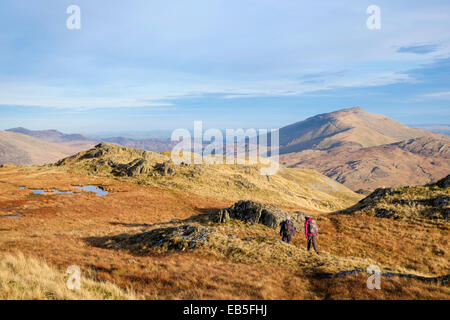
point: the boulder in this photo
(384, 213)
(444, 183)
(220, 216)
(251, 212)
(164, 168)
(137, 167)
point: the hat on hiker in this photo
(288, 217)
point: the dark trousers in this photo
(312, 239)
(287, 238)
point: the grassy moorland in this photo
(239, 260)
(24, 278)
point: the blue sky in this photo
(151, 65)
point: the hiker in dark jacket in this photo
(311, 232)
(287, 230)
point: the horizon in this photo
(149, 66)
(166, 133)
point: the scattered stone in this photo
(443, 279)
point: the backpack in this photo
(288, 227)
(312, 227)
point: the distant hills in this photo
(365, 151)
(441, 128)
(22, 149)
(359, 149)
(54, 136)
(50, 135)
(290, 186)
(151, 144)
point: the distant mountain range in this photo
(50, 135)
(23, 146)
(441, 128)
(362, 150)
(152, 144)
(22, 149)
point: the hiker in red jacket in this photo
(311, 231)
(287, 230)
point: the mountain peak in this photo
(350, 127)
(352, 109)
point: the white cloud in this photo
(442, 94)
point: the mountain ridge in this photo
(365, 151)
(346, 127)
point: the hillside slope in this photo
(161, 244)
(289, 187)
(410, 162)
(348, 127)
(365, 151)
(17, 148)
(50, 135)
(84, 143)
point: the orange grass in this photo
(56, 228)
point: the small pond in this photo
(98, 190)
(13, 216)
(38, 191)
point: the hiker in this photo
(311, 231)
(287, 230)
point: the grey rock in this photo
(384, 213)
(174, 238)
(441, 201)
(251, 212)
(444, 183)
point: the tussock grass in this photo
(23, 278)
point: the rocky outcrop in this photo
(165, 168)
(165, 239)
(251, 212)
(444, 183)
(443, 279)
(429, 201)
(384, 213)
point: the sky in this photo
(159, 65)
